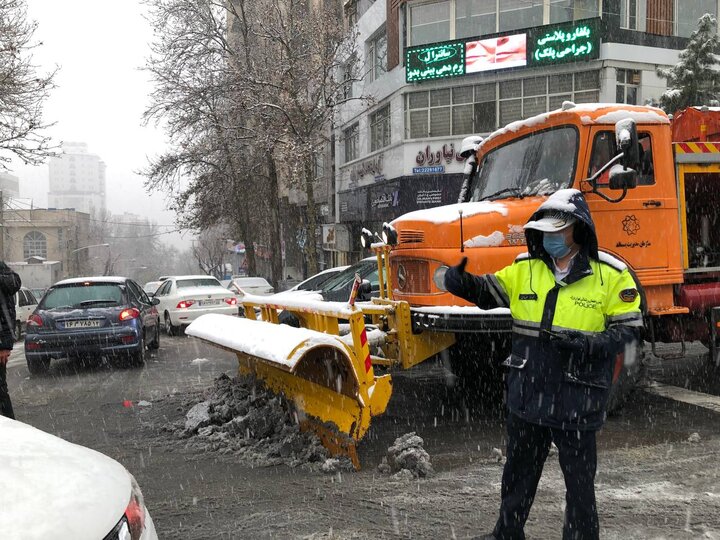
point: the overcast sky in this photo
(99, 46)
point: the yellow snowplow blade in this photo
(330, 380)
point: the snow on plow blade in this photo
(330, 381)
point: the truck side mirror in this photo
(622, 178)
(626, 138)
(365, 290)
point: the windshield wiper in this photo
(99, 301)
(514, 190)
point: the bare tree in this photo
(247, 91)
(210, 251)
(23, 90)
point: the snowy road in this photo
(652, 482)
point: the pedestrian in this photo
(574, 311)
(9, 285)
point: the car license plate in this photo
(209, 302)
(82, 324)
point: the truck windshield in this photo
(538, 164)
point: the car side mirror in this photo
(365, 290)
(622, 178)
(154, 301)
(626, 138)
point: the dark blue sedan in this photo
(94, 316)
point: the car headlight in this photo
(131, 525)
(439, 277)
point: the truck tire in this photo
(475, 362)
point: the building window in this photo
(352, 142)
(520, 14)
(484, 107)
(380, 128)
(430, 22)
(688, 13)
(377, 55)
(347, 70)
(627, 87)
(34, 245)
(351, 14)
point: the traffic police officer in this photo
(574, 310)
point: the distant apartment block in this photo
(9, 185)
(77, 180)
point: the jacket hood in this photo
(573, 202)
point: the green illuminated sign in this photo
(570, 42)
(435, 62)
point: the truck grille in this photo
(410, 276)
(411, 237)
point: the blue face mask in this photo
(554, 244)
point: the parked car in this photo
(250, 285)
(39, 292)
(92, 316)
(25, 304)
(182, 299)
(314, 283)
(338, 287)
(151, 287)
(55, 489)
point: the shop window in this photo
(352, 142)
(628, 86)
(380, 128)
(687, 14)
(482, 108)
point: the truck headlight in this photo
(439, 277)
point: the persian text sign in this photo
(569, 42)
(435, 62)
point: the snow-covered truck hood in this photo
(55, 489)
(484, 224)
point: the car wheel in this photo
(137, 359)
(38, 366)
(170, 328)
(155, 343)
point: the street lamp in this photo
(88, 247)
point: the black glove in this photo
(572, 341)
(456, 279)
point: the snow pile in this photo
(240, 417)
(407, 459)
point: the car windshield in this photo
(251, 282)
(83, 295)
(366, 269)
(314, 283)
(539, 164)
(198, 282)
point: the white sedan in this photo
(55, 489)
(184, 298)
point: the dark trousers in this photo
(527, 448)
(6, 408)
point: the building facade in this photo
(50, 235)
(440, 70)
(77, 180)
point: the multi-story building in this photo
(77, 180)
(440, 70)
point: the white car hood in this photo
(55, 489)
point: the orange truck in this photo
(662, 218)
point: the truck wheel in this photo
(475, 362)
(38, 366)
(627, 373)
